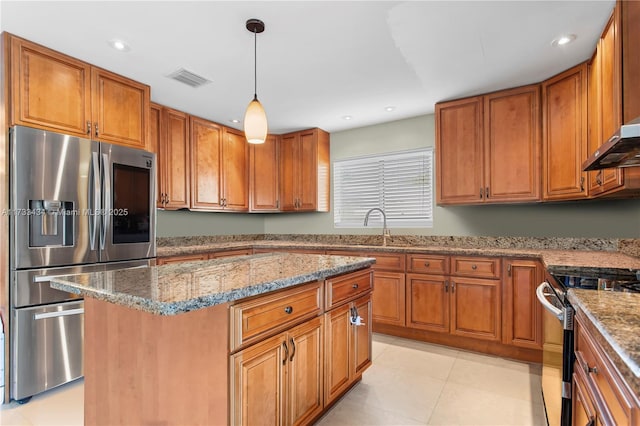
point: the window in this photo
(399, 183)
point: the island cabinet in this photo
(522, 322)
(564, 135)
(264, 176)
(601, 394)
(488, 148)
(388, 297)
(304, 171)
(53, 91)
(348, 331)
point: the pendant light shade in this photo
(255, 122)
(255, 119)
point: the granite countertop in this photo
(615, 321)
(177, 288)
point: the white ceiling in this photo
(318, 61)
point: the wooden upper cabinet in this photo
(155, 130)
(120, 109)
(488, 148)
(56, 92)
(264, 186)
(512, 145)
(235, 170)
(459, 153)
(304, 171)
(49, 90)
(564, 135)
(175, 166)
(206, 165)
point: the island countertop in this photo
(177, 288)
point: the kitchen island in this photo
(180, 344)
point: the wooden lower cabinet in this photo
(181, 258)
(388, 298)
(522, 322)
(583, 411)
(348, 346)
(428, 302)
(279, 381)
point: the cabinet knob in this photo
(355, 285)
(474, 267)
(593, 370)
(426, 264)
(288, 309)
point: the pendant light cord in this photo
(255, 65)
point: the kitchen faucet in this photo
(385, 232)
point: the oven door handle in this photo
(542, 297)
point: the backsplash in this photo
(627, 246)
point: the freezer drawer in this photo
(47, 347)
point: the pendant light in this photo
(255, 119)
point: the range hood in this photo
(621, 150)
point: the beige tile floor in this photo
(409, 383)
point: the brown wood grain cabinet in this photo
(181, 258)
(235, 170)
(603, 388)
(279, 381)
(56, 92)
(428, 302)
(174, 165)
(522, 325)
(564, 135)
(488, 148)
(304, 171)
(264, 180)
(155, 123)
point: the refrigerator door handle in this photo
(95, 206)
(106, 186)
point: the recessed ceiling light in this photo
(234, 120)
(389, 108)
(563, 39)
(347, 117)
(120, 45)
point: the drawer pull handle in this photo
(474, 267)
(288, 309)
(355, 285)
(426, 264)
(593, 370)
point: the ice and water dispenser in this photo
(50, 223)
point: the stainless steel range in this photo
(76, 206)
(557, 355)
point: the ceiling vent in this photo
(189, 78)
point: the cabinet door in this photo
(337, 352)
(264, 192)
(475, 308)
(175, 159)
(206, 189)
(235, 170)
(512, 145)
(459, 152)
(49, 90)
(155, 126)
(583, 410)
(565, 135)
(305, 369)
(428, 302)
(388, 298)
(289, 154)
(594, 111)
(308, 166)
(257, 383)
(120, 109)
(523, 312)
(361, 343)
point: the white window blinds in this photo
(399, 183)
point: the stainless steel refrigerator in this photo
(76, 205)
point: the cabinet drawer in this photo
(480, 267)
(428, 264)
(388, 262)
(600, 371)
(264, 316)
(346, 287)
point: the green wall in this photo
(604, 219)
